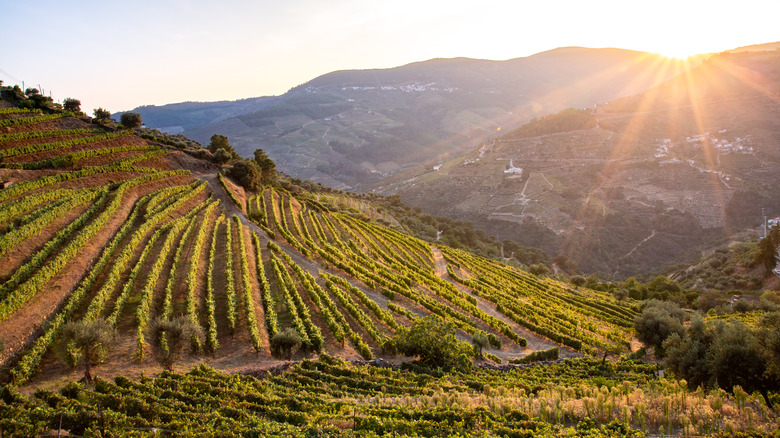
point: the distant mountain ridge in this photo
(175, 118)
(658, 179)
(351, 129)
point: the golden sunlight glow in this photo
(679, 50)
(687, 101)
(677, 55)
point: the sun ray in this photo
(660, 69)
(609, 175)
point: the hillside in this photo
(350, 129)
(101, 225)
(634, 185)
(107, 225)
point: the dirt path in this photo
(640, 244)
(440, 265)
(508, 349)
(251, 258)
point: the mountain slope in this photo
(102, 224)
(349, 129)
(650, 181)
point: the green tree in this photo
(285, 343)
(86, 342)
(101, 113)
(658, 321)
(247, 174)
(172, 337)
(266, 165)
(727, 355)
(219, 142)
(662, 288)
(432, 339)
(769, 338)
(577, 280)
(686, 353)
(635, 289)
(480, 341)
(735, 358)
(767, 250)
(71, 104)
(131, 120)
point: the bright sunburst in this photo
(680, 51)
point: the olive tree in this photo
(172, 337)
(101, 113)
(86, 342)
(480, 341)
(71, 104)
(658, 321)
(727, 354)
(285, 343)
(130, 120)
(433, 340)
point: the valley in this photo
(150, 286)
(692, 175)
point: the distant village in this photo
(415, 87)
(736, 146)
(663, 151)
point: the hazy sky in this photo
(122, 55)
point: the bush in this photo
(493, 358)
(222, 156)
(577, 280)
(538, 356)
(538, 270)
(494, 340)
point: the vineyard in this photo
(162, 241)
(330, 397)
(100, 224)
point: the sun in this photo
(679, 51)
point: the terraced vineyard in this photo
(104, 224)
(100, 224)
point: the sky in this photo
(123, 55)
